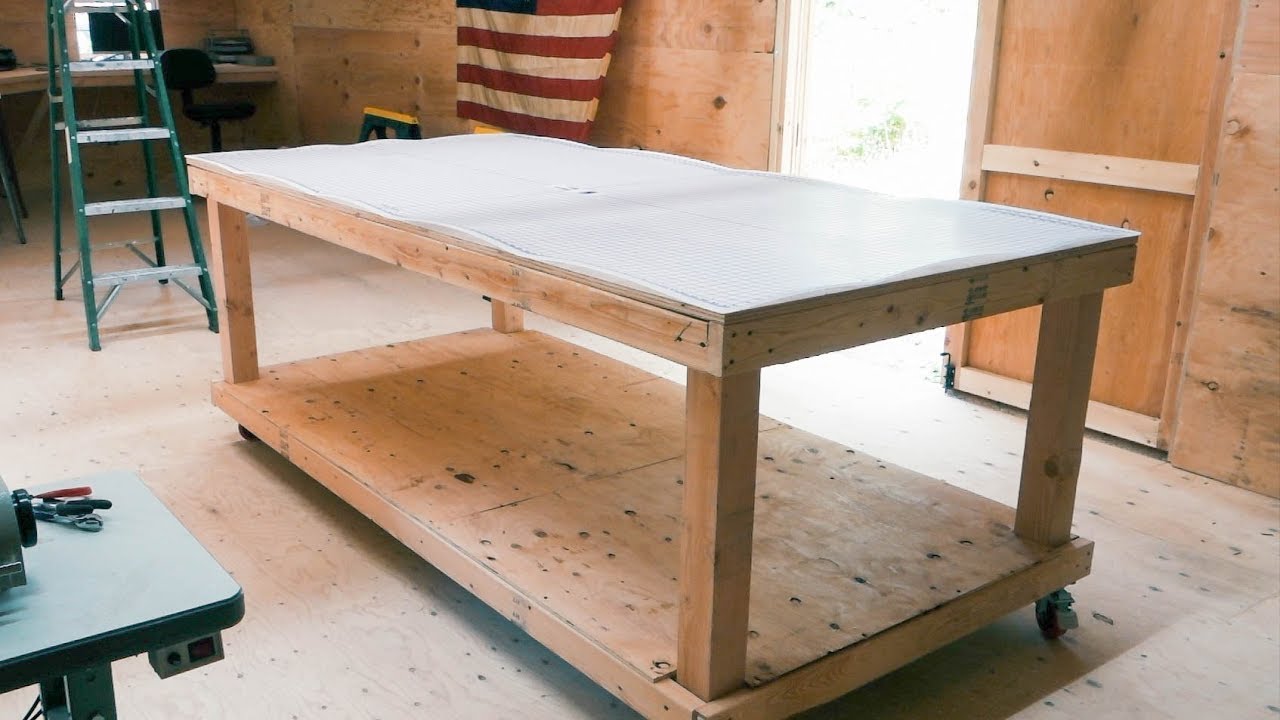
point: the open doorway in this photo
(878, 95)
(887, 94)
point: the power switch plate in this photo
(188, 655)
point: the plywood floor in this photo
(1178, 616)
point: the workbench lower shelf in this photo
(546, 479)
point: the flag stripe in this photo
(547, 108)
(527, 7)
(544, 7)
(535, 66)
(535, 45)
(557, 88)
(565, 68)
(573, 26)
(577, 7)
(579, 131)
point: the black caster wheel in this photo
(1054, 614)
(244, 433)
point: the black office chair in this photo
(188, 69)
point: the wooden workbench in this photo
(29, 79)
(694, 558)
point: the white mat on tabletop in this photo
(716, 238)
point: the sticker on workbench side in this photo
(976, 299)
(520, 611)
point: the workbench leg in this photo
(1055, 419)
(82, 695)
(507, 318)
(721, 425)
(229, 236)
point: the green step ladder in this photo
(144, 63)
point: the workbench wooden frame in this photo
(724, 355)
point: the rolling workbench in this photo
(694, 558)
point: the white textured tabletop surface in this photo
(712, 237)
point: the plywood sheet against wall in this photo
(1229, 417)
(1137, 324)
(1105, 77)
(1125, 79)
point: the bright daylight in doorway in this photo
(885, 108)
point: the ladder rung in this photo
(87, 66)
(115, 207)
(97, 123)
(125, 135)
(123, 277)
(98, 7)
(112, 244)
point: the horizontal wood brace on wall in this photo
(1158, 175)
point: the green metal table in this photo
(141, 585)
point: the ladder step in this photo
(112, 244)
(115, 207)
(108, 136)
(97, 123)
(90, 66)
(108, 6)
(165, 272)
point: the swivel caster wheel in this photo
(1054, 614)
(244, 433)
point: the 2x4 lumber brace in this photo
(721, 429)
(686, 339)
(229, 238)
(506, 318)
(1157, 175)
(859, 318)
(1055, 419)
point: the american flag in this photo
(535, 66)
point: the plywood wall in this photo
(1229, 414)
(692, 77)
(270, 25)
(689, 76)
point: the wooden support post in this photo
(721, 425)
(507, 318)
(230, 266)
(1055, 419)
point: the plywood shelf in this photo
(547, 479)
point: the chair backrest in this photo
(187, 69)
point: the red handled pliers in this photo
(71, 506)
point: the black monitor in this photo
(109, 33)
